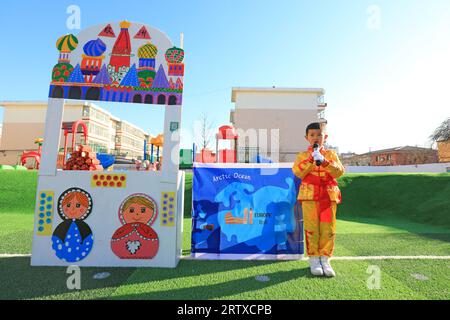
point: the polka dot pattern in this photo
(105, 180)
(168, 209)
(45, 213)
(71, 249)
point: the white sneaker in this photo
(326, 267)
(315, 266)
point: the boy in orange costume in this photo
(319, 194)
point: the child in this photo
(319, 195)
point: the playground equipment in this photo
(261, 159)
(106, 159)
(114, 218)
(81, 157)
(69, 128)
(36, 155)
(186, 158)
(205, 156)
(157, 142)
(226, 155)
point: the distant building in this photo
(23, 122)
(405, 155)
(289, 110)
(353, 159)
(444, 151)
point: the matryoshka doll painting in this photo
(72, 239)
(136, 239)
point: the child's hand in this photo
(317, 156)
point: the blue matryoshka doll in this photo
(72, 239)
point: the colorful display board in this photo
(122, 62)
(112, 218)
(240, 212)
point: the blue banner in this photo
(241, 210)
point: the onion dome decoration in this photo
(67, 43)
(174, 55)
(61, 72)
(94, 48)
(147, 51)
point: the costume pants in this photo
(319, 220)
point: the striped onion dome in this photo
(94, 48)
(174, 55)
(147, 51)
(67, 43)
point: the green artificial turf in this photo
(370, 223)
(17, 191)
(188, 195)
(352, 239)
(422, 198)
(232, 280)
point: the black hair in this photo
(315, 125)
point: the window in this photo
(137, 98)
(75, 93)
(161, 99)
(93, 94)
(85, 111)
(100, 116)
(98, 130)
(172, 100)
(58, 92)
(148, 99)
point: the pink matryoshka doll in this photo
(136, 239)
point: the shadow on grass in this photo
(223, 289)
(192, 268)
(19, 280)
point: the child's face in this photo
(316, 136)
(137, 213)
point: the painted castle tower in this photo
(174, 57)
(119, 64)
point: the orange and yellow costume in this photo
(319, 195)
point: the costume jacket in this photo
(316, 179)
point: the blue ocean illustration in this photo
(254, 214)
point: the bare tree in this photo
(205, 131)
(442, 133)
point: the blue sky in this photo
(385, 76)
